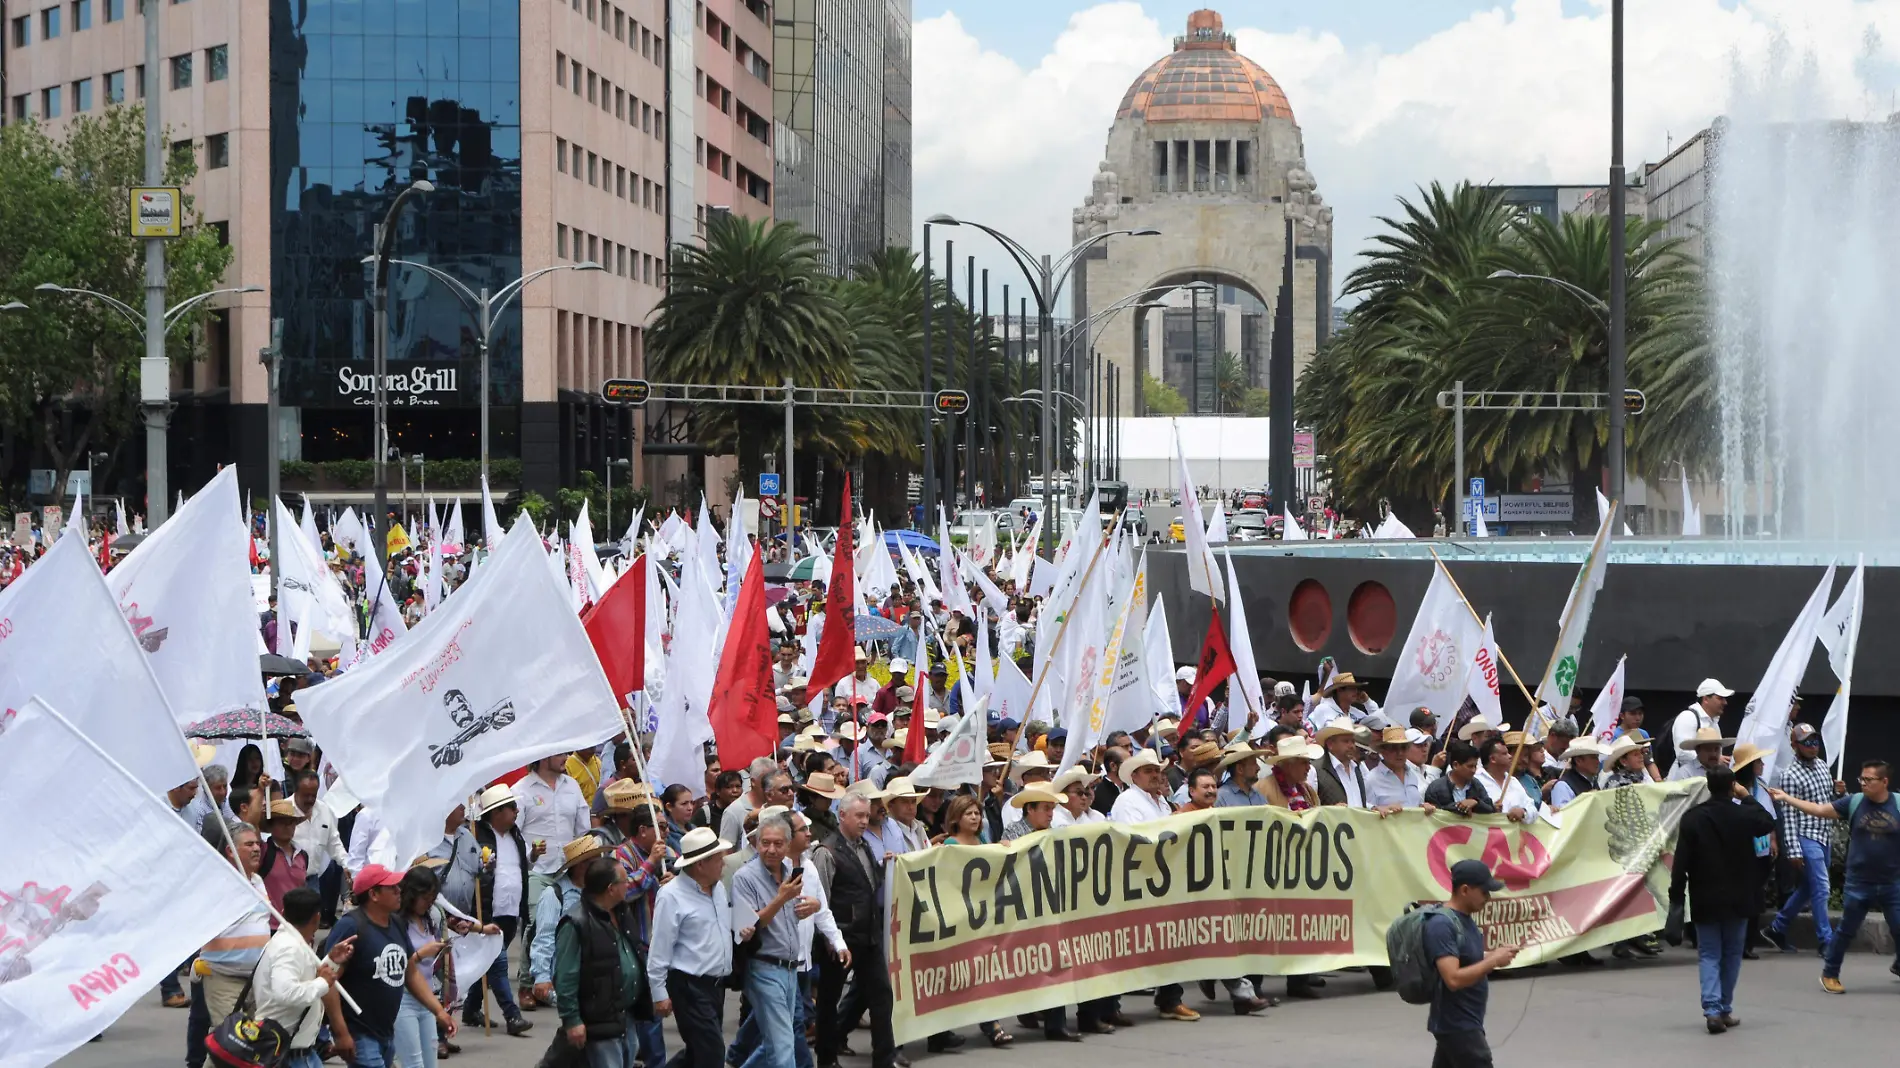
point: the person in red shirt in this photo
(284, 867)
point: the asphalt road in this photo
(1645, 1013)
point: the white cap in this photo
(1186, 674)
(1284, 689)
(899, 667)
(1414, 736)
(1713, 686)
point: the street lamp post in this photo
(385, 239)
(155, 378)
(926, 486)
(611, 464)
(1619, 355)
(1046, 278)
(486, 309)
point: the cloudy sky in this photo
(1014, 98)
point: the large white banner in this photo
(186, 591)
(1436, 658)
(99, 898)
(62, 639)
(500, 675)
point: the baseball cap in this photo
(1715, 687)
(1474, 873)
(1414, 736)
(1058, 734)
(1804, 732)
(375, 875)
(1006, 724)
(1284, 689)
(1632, 704)
(299, 745)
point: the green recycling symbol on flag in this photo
(1566, 677)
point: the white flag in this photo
(992, 596)
(473, 953)
(1560, 678)
(307, 590)
(958, 759)
(1435, 661)
(1393, 529)
(1096, 668)
(692, 662)
(1203, 573)
(1010, 695)
(1483, 682)
(1246, 677)
(1020, 558)
(1692, 518)
(1290, 529)
(1479, 528)
(492, 531)
(1607, 710)
(1157, 656)
(1603, 512)
(118, 516)
(1840, 633)
(1765, 721)
(94, 909)
(62, 639)
(186, 590)
(454, 536)
(1128, 699)
(501, 675)
(985, 667)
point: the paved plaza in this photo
(1626, 1014)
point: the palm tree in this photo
(754, 306)
(1433, 315)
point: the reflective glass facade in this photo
(842, 106)
(367, 96)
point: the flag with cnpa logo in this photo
(98, 899)
(500, 674)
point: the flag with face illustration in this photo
(502, 674)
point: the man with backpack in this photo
(1452, 964)
(1873, 859)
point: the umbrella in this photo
(913, 540)
(236, 726)
(875, 628)
(125, 543)
(778, 572)
(272, 664)
(806, 570)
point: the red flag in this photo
(838, 645)
(256, 560)
(916, 745)
(105, 551)
(1217, 662)
(744, 710)
(616, 625)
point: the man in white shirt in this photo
(292, 983)
(1494, 775)
(1711, 697)
(1147, 799)
(691, 952)
(1343, 696)
(732, 821)
(901, 832)
(1395, 784)
(317, 835)
(1077, 786)
(553, 812)
(1340, 777)
(1419, 753)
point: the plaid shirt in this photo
(1808, 780)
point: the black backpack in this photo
(1415, 973)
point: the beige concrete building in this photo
(555, 132)
(1204, 149)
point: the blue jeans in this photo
(1812, 893)
(303, 1058)
(1857, 900)
(804, 1018)
(1718, 946)
(616, 1052)
(415, 1033)
(772, 991)
(651, 1035)
(373, 1052)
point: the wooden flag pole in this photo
(487, 1028)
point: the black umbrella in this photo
(272, 664)
(127, 542)
(778, 572)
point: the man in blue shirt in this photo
(1454, 943)
(1873, 859)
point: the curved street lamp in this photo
(385, 242)
(137, 320)
(1590, 300)
(486, 310)
(1046, 279)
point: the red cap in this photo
(373, 876)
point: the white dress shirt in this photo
(692, 932)
(1348, 775)
(1508, 796)
(820, 922)
(507, 877)
(553, 814)
(1384, 787)
(317, 836)
(1063, 818)
(287, 988)
(1689, 721)
(1135, 805)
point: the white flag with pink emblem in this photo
(98, 900)
(1434, 661)
(1608, 707)
(186, 591)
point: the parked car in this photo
(1135, 520)
(1251, 524)
(1176, 531)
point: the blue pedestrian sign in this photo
(768, 484)
(1477, 487)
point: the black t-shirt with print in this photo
(376, 972)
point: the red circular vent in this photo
(1371, 617)
(1309, 615)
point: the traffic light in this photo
(1634, 402)
(952, 402)
(629, 391)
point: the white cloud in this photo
(1518, 93)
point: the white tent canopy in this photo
(1224, 452)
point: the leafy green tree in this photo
(1433, 314)
(69, 366)
(1230, 383)
(1257, 403)
(1159, 398)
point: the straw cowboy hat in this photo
(1145, 758)
(900, 789)
(1029, 795)
(1585, 747)
(1294, 747)
(203, 753)
(496, 796)
(824, 785)
(898, 739)
(866, 789)
(1074, 778)
(1337, 728)
(1514, 738)
(1200, 754)
(1035, 758)
(1238, 751)
(1166, 727)
(582, 849)
(1473, 727)
(1344, 678)
(1745, 754)
(1000, 753)
(625, 795)
(698, 844)
(796, 682)
(285, 809)
(1622, 747)
(805, 743)
(846, 732)
(1394, 736)
(1705, 736)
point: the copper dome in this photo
(1205, 80)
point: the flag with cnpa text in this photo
(501, 674)
(98, 899)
